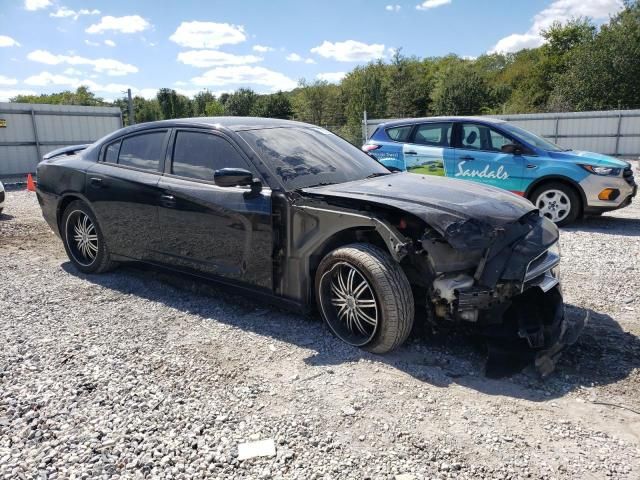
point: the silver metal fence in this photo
(611, 132)
(28, 131)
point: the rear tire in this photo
(83, 239)
(558, 202)
(365, 298)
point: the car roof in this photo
(412, 121)
(231, 123)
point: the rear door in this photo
(122, 188)
(478, 157)
(222, 231)
(429, 151)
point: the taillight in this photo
(370, 147)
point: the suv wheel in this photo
(557, 202)
(365, 297)
(83, 239)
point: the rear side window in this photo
(111, 152)
(434, 134)
(197, 155)
(400, 134)
(142, 151)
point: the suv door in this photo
(122, 188)
(222, 231)
(478, 157)
(429, 151)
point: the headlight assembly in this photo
(604, 171)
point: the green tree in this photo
(460, 90)
(603, 73)
(81, 96)
(173, 105)
(240, 103)
(276, 105)
(214, 109)
(200, 101)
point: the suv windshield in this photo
(532, 138)
(306, 156)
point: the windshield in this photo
(306, 156)
(532, 138)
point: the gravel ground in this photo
(135, 374)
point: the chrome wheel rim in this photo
(554, 204)
(82, 238)
(349, 304)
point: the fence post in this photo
(617, 152)
(555, 135)
(35, 133)
(364, 127)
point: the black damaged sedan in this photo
(290, 211)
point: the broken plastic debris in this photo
(260, 448)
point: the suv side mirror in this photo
(512, 148)
(232, 177)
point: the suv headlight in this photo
(605, 171)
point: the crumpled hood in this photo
(589, 158)
(452, 207)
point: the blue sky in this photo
(221, 45)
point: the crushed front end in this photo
(503, 282)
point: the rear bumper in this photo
(49, 205)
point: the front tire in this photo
(83, 239)
(557, 202)
(365, 298)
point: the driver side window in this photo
(198, 154)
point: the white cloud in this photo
(126, 24)
(6, 41)
(349, 51)
(557, 11)
(331, 77)
(65, 12)
(45, 78)
(101, 65)
(36, 4)
(392, 8)
(207, 34)
(245, 75)
(294, 57)
(5, 95)
(429, 4)
(214, 58)
(262, 49)
(7, 81)
(110, 43)
(72, 71)
(92, 44)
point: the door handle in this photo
(96, 182)
(411, 153)
(168, 200)
(467, 157)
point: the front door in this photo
(221, 231)
(478, 157)
(429, 151)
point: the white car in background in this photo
(1, 197)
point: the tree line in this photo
(579, 67)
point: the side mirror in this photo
(237, 177)
(512, 148)
(232, 177)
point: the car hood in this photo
(590, 158)
(455, 208)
